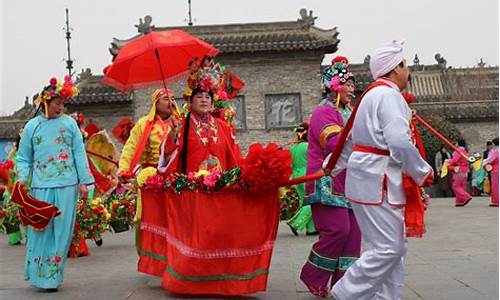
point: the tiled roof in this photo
(93, 91)
(297, 35)
(433, 83)
(460, 110)
(9, 129)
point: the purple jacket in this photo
(324, 131)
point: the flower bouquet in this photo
(11, 218)
(92, 217)
(289, 202)
(121, 204)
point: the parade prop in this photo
(215, 260)
(155, 59)
(33, 212)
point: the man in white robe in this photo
(378, 152)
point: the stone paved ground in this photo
(458, 259)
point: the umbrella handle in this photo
(157, 54)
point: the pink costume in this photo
(459, 166)
(493, 161)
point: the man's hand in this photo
(429, 179)
(124, 177)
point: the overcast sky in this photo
(33, 47)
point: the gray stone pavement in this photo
(458, 259)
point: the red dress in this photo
(216, 243)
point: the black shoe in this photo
(464, 204)
(98, 242)
(312, 233)
(294, 231)
(53, 290)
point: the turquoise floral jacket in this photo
(52, 154)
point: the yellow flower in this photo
(108, 216)
(74, 91)
(282, 191)
(95, 202)
(144, 174)
(202, 173)
(188, 91)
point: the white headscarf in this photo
(384, 59)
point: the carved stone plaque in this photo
(240, 120)
(283, 110)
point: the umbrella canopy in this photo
(156, 59)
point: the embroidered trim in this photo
(345, 262)
(248, 276)
(206, 254)
(327, 132)
(322, 262)
(153, 255)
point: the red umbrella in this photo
(155, 59)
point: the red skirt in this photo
(220, 243)
(152, 245)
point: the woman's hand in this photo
(84, 191)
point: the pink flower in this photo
(57, 259)
(63, 156)
(53, 81)
(58, 140)
(335, 84)
(191, 176)
(206, 84)
(50, 158)
(155, 181)
(222, 95)
(62, 130)
(211, 180)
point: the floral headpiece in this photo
(207, 77)
(56, 89)
(213, 78)
(337, 74)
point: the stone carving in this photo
(481, 63)
(416, 60)
(84, 74)
(307, 19)
(238, 104)
(145, 27)
(367, 59)
(282, 110)
(440, 60)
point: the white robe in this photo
(382, 122)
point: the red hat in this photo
(341, 59)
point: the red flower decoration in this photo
(57, 259)
(65, 93)
(409, 97)
(206, 84)
(265, 167)
(53, 81)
